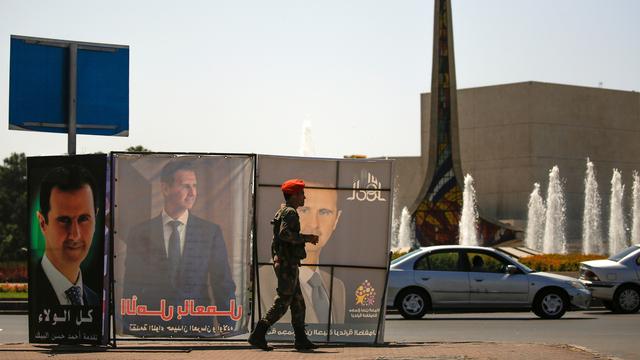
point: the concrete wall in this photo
(411, 171)
(511, 135)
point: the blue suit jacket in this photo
(204, 263)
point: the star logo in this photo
(365, 294)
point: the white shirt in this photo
(59, 282)
(168, 229)
(305, 273)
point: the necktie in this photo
(73, 293)
(319, 298)
(174, 250)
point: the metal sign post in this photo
(73, 94)
(68, 87)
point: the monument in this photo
(439, 205)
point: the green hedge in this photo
(548, 262)
(557, 262)
(397, 254)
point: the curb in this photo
(284, 351)
(14, 307)
(596, 354)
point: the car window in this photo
(638, 260)
(422, 263)
(443, 261)
(397, 260)
(485, 262)
(622, 254)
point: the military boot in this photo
(257, 337)
(302, 342)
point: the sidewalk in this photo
(241, 350)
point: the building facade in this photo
(511, 135)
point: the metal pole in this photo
(73, 90)
(383, 304)
(257, 300)
(111, 161)
(330, 307)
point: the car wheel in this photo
(550, 304)
(626, 299)
(413, 303)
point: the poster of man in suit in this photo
(66, 269)
(182, 245)
(319, 216)
(342, 277)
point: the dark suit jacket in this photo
(204, 263)
(269, 283)
(44, 295)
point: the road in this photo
(13, 329)
(598, 330)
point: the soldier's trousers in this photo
(288, 295)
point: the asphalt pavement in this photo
(440, 336)
(599, 330)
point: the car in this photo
(455, 277)
(615, 281)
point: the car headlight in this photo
(586, 274)
(577, 285)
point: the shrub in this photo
(13, 271)
(397, 254)
(557, 262)
(14, 287)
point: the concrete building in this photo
(511, 135)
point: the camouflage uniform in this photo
(287, 249)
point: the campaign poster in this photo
(68, 276)
(182, 226)
(342, 279)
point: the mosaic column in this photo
(437, 216)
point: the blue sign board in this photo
(40, 86)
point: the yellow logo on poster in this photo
(365, 294)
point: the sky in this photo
(246, 76)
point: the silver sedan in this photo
(480, 278)
(616, 280)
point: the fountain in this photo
(554, 241)
(469, 216)
(617, 235)
(635, 225)
(535, 220)
(591, 232)
(306, 143)
(404, 232)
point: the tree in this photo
(138, 148)
(13, 207)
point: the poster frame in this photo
(115, 338)
(103, 339)
(390, 188)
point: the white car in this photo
(615, 281)
(477, 278)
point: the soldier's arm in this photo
(290, 229)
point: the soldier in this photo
(287, 249)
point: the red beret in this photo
(292, 186)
